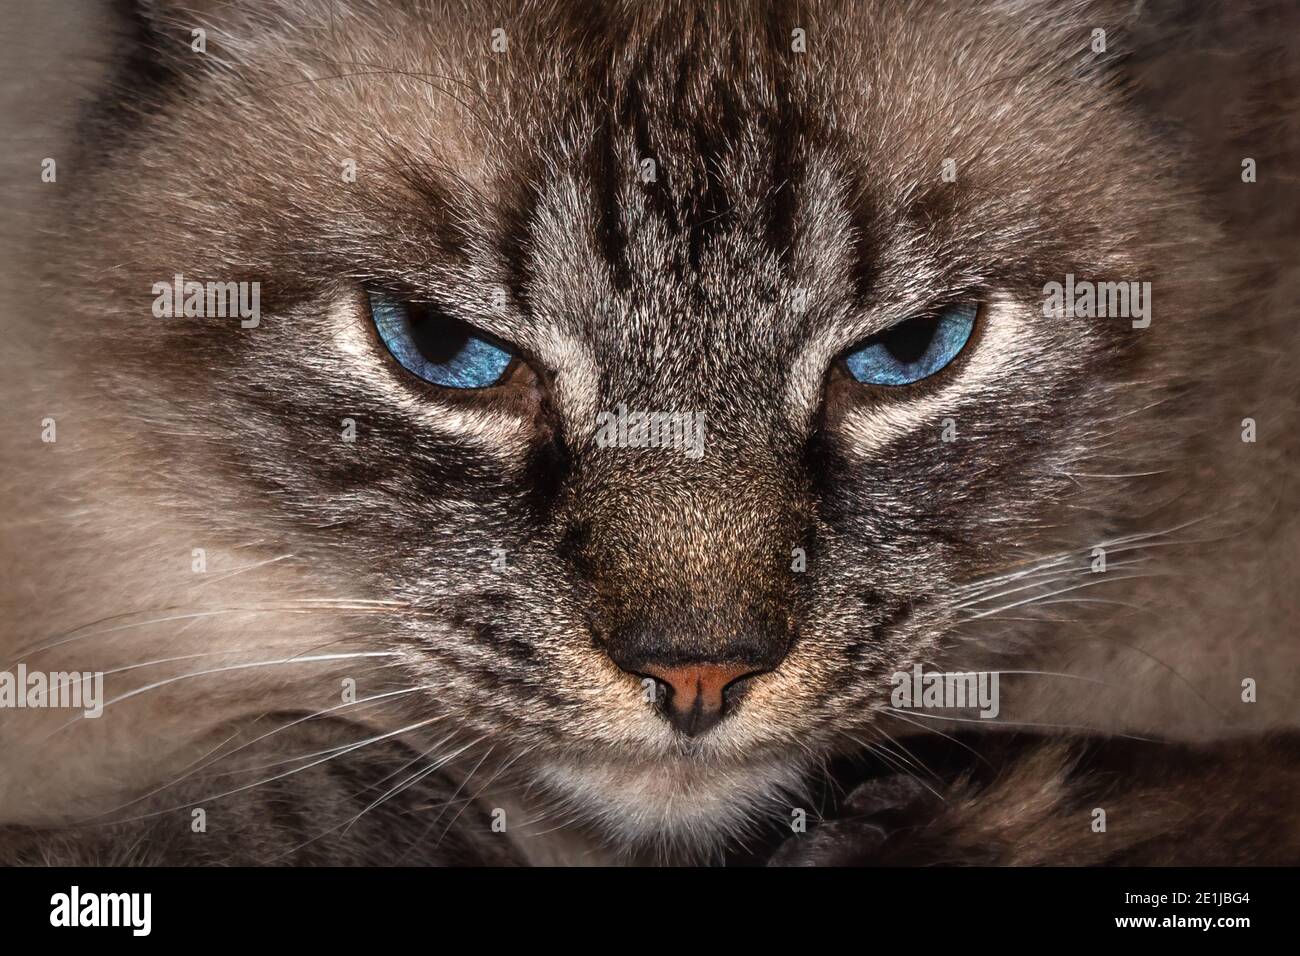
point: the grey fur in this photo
(776, 171)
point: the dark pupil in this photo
(909, 341)
(438, 338)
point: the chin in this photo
(675, 809)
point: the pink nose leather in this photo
(695, 702)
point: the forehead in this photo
(649, 164)
(669, 159)
(696, 155)
(677, 130)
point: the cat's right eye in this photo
(915, 349)
(436, 347)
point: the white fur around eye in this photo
(349, 331)
(1003, 342)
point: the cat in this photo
(357, 600)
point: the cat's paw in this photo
(875, 814)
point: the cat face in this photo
(677, 213)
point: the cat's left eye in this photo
(436, 347)
(915, 349)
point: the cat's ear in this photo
(1221, 80)
(1181, 52)
(177, 20)
(220, 14)
(1186, 58)
(178, 32)
(1218, 80)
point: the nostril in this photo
(697, 696)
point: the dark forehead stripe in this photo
(712, 105)
(790, 139)
(514, 226)
(606, 174)
(715, 97)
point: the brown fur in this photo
(777, 171)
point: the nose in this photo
(687, 572)
(696, 699)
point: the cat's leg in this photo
(1112, 802)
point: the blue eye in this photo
(439, 349)
(913, 350)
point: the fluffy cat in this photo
(356, 617)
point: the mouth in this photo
(680, 802)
